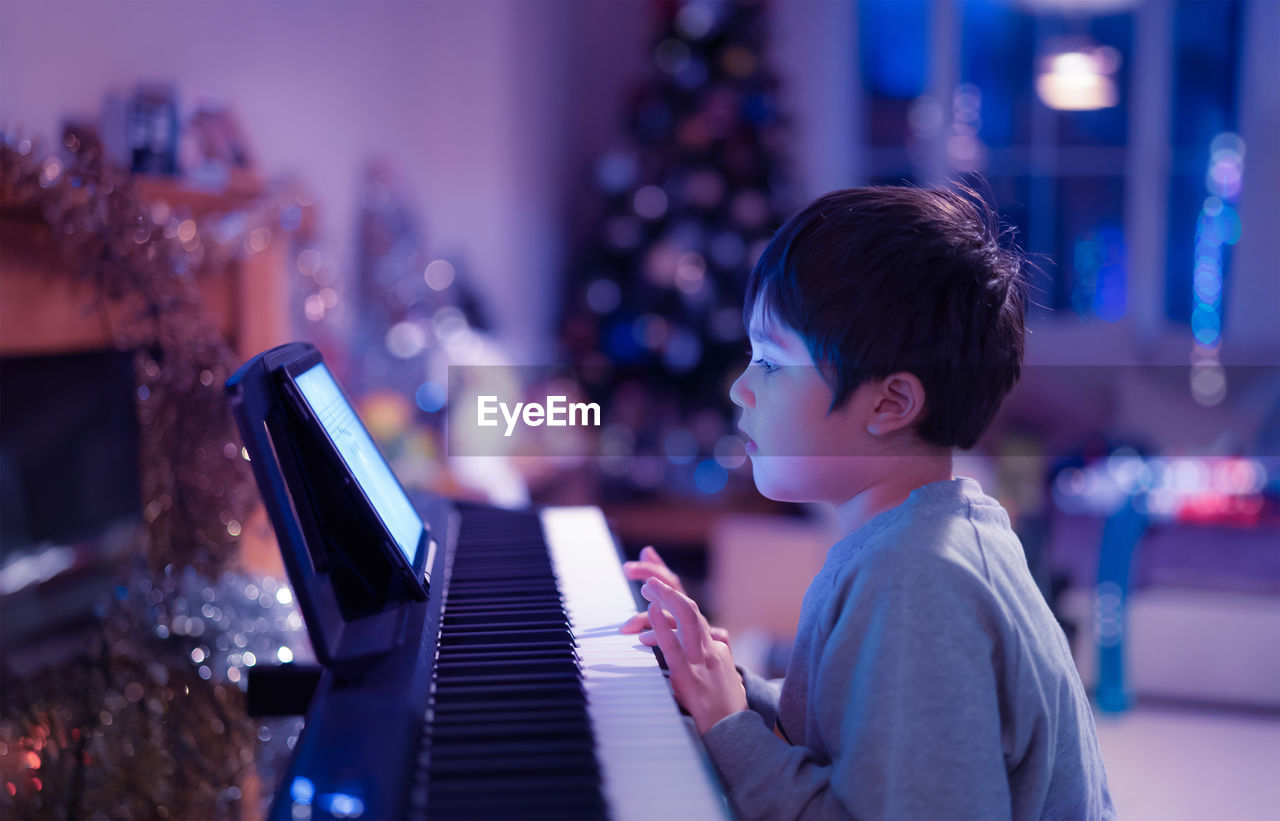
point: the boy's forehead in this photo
(766, 328)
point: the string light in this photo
(1188, 487)
(1217, 225)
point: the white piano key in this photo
(650, 764)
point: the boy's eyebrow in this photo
(758, 335)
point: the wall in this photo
(482, 108)
(491, 110)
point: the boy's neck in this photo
(892, 489)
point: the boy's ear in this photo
(897, 402)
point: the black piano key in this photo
(567, 686)
(498, 559)
(522, 609)
(496, 604)
(520, 802)
(555, 808)
(510, 587)
(544, 701)
(536, 599)
(474, 637)
(512, 656)
(532, 611)
(466, 677)
(489, 714)
(662, 660)
(499, 790)
(469, 625)
(562, 656)
(458, 785)
(566, 748)
(461, 589)
(496, 766)
(498, 647)
(510, 730)
(540, 572)
(526, 665)
(506, 571)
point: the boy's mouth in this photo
(750, 444)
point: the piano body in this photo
(501, 691)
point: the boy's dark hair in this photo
(884, 279)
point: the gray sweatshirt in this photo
(929, 680)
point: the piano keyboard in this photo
(530, 703)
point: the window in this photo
(1040, 104)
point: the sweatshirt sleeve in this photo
(904, 694)
(762, 694)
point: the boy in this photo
(928, 679)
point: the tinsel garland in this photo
(147, 719)
(196, 489)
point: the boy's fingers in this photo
(643, 570)
(651, 564)
(647, 638)
(648, 554)
(638, 622)
(666, 640)
(691, 628)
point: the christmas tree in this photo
(688, 198)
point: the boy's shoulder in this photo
(937, 541)
(935, 520)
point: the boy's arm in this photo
(762, 694)
(906, 703)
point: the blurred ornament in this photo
(603, 296)
(616, 171)
(387, 414)
(706, 188)
(401, 291)
(212, 147)
(696, 19)
(650, 202)
(153, 130)
(661, 265)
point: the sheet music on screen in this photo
(361, 456)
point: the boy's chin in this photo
(774, 481)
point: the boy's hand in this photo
(651, 564)
(705, 681)
(639, 623)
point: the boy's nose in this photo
(740, 394)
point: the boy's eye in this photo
(768, 367)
